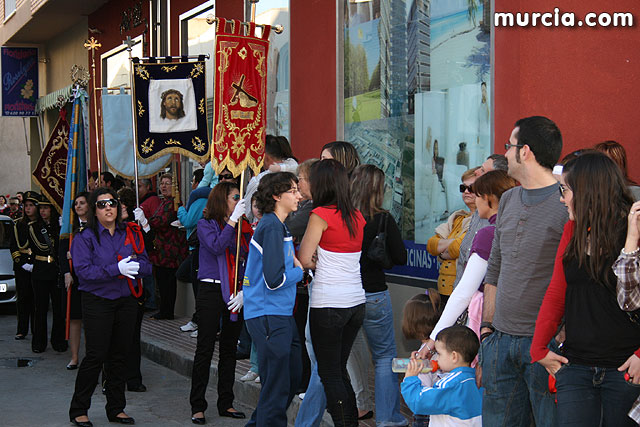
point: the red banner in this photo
(50, 172)
(240, 98)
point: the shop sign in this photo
(19, 81)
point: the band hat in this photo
(33, 197)
(44, 201)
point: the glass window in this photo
(9, 7)
(115, 65)
(276, 12)
(417, 80)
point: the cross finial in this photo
(128, 42)
(92, 44)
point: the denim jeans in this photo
(333, 331)
(358, 367)
(589, 395)
(378, 329)
(515, 390)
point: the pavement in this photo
(166, 369)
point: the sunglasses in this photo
(236, 197)
(225, 176)
(464, 188)
(112, 203)
(562, 189)
(508, 145)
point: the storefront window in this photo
(417, 81)
(115, 65)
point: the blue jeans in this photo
(378, 328)
(315, 401)
(515, 390)
(587, 395)
(149, 285)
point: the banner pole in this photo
(129, 44)
(92, 45)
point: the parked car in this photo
(7, 278)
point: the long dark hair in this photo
(330, 186)
(76, 220)
(217, 201)
(616, 152)
(367, 189)
(92, 220)
(601, 203)
(344, 152)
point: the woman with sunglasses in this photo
(216, 302)
(107, 258)
(445, 244)
(602, 343)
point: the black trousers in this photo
(333, 331)
(109, 326)
(167, 285)
(43, 290)
(24, 306)
(134, 375)
(211, 308)
(300, 315)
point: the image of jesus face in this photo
(172, 106)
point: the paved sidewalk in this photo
(164, 343)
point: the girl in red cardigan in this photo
(601, 341)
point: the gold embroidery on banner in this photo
(258, 52)
(142, 72)
(241, 94)
(172, 141)
(168, 69)
(54, 173)
(147, 146)
(198, 68)
(198, 144)
(243, 53)
(225, 51)
(241, 115)
(141, 109)
(238, 144)
(201, 106)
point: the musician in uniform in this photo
(23, 264)
(44, 235)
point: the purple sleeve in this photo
(482, 242)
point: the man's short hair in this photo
(198, 174)
(146, 182)
(543, 138)
(163, 110)
(460, 339)
(499, 162)
(108, 178)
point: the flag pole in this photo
(129, 44)
(92, 45)
(242, 174)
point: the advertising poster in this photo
(19, 81)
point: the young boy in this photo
(454, 399)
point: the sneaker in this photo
(257, 380)
(301, 396)
(194, 334)
(177, 224)
(249, 376)
(189, 327)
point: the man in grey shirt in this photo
(530, 222)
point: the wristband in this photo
(487, 325)
(629, 253)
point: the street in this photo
(39, 395)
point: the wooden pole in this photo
(92, 45)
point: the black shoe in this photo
(125, 420)
(81, 423)
(237, 414)
(140, 388)
(20, 336)
(200, 421)
(241, 356)
(60, 348)
(71, 367)
(37, 350)
(160, 316)
(366, 416)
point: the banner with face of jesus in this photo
(171, 110)
(240, 98)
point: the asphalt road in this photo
(39, 395)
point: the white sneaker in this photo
(249, 376)
(194, 334)
(301, 396)
(177, 224)
(189, 327)
(257, 380)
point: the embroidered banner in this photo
(117, 131)
(240, 98)
(50, 172)
(19, 81)
(171, 110)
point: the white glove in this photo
(238, 211)
(138, 214)
(68, 280)
(235, 303)
(128, 268)
(60, 221)
(27, 267)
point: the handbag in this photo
(378, 252)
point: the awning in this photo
(50, 100)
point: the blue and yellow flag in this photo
(76, 181)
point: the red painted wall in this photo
(313, 76)
(585, 79)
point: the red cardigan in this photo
(552, 308)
